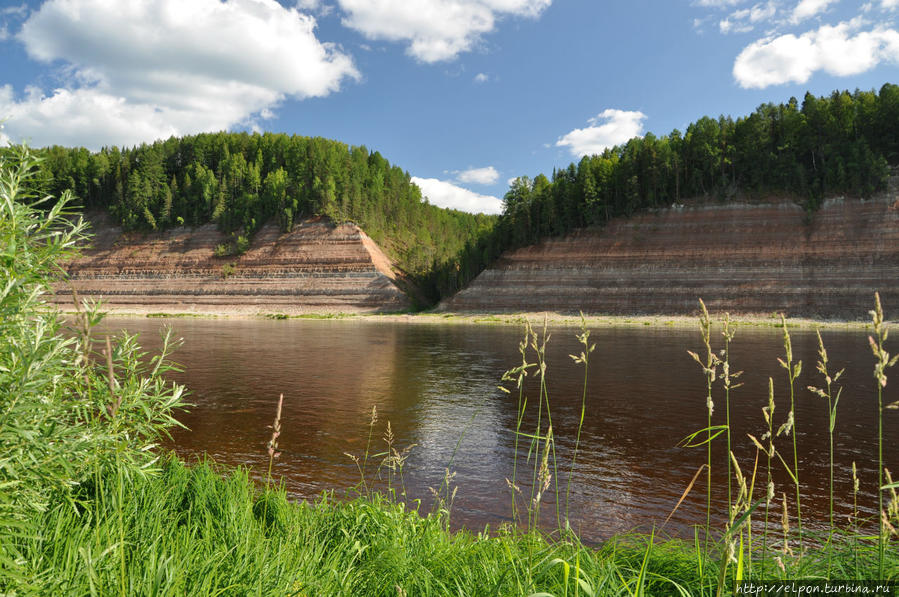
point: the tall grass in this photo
(882, 362)
(832, 402)
(791, 426)
(709, 369)
(582, 359)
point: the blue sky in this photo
(464, 94)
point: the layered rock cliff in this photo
(318, 267)
(743, 258)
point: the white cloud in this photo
(71, 117)
(837, 50)
(19, 10)
(889, 4)
(153, 68)
(608, 129)
(717, 3)
(446, 194)
(745, 19)
(488, 175)
(728, 26)
(435, 30)
(809, 8)
(762, 12)
(315, 6)
(481, 78)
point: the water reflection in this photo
(437, 385)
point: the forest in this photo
(240, 181)
(842, 144)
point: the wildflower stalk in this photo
(855, 515)
(709, 369)
(832, 401)
(793, 372)
(727, 378)
(584, 359)
(518, 375)
(768, 413)
(272, 446)
(881, 364)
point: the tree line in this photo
(844, 144)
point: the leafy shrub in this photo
(223, 250)
(68, 409)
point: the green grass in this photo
(200, 530)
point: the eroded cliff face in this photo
(750, 259)
(318, 267)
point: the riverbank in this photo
(203, 530)
(433, 317)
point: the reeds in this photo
(709, 368)
(882, 362)
(582, 359)
(832, 402)
(790, 427)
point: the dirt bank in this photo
(749, 259)
(318, 267)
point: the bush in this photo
(223, 250)
(67, 410)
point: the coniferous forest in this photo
(241, 181)
(842, 144)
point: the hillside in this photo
(242, 182)
(806, 153)
(317, 267)
(752, 258)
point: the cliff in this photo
(744, 258)
(318, 267)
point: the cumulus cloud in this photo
(610, 128)
(806, 9)
(446, 194)
(481, 78)
(839, 50)
(435, 30)
(153, 68)
(80, 116)
(889, 4)
(488, 175)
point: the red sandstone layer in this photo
(318, 267)
(751, 259)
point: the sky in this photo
(465, 95)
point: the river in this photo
(437, 386)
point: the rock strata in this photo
(743, 258)
(318, 267)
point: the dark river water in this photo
(437, 386)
